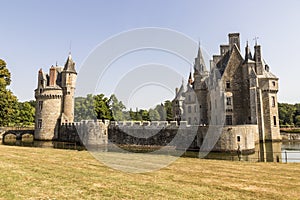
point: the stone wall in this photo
(225, 138)
(183, 136)
(87, 132)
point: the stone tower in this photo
(69, 76)
(54, 100)
(200, 86)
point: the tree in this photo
(169, 110)
(161, 111)
(8, 102)
(4, 75)
(84, 108)
(25, 114)
(286, 113)
(117, 108)
(153, 115)
(102, 108)
(144, 114)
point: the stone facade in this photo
(237, 92)
(54, 100)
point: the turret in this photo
(69, 76)
(248, 55)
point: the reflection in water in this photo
(264, 152)
(29, 142)
(269, 151)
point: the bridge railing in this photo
(6, 128)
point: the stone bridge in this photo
(17, 131)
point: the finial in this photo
(256, 38)
(56, 64)
(70, 47)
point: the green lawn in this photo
(40, 173)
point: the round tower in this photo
(69, 76)
(48, 97)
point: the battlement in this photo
(88, 132)
(149, 124)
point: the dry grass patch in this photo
(37, 173)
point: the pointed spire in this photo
(190, 80)
(255, 38)
(70, 64)
(199, 61)
(248, 55)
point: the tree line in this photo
(13, 112)
(102, 107)
(289, 114)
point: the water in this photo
(264, 152)
(29, 142)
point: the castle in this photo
(54, 100)
(241, 88)
(236, 98)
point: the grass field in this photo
(40, 173)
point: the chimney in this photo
(52, 81)
(234, 38)
(258, 60)
(223, 49)
(176, 91)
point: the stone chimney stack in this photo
(52, 81)
(234, 38)
(258, 59)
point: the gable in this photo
(234, 62)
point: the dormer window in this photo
(267, 68)
(227, 84)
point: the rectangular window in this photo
(274, 119)
(227, 84)
(228, 119)
(273, 101)
(195, 108)
(189, 120)
(228, 101)
(39, 123)
(274, 83)
(238, 138)
(189, 109)
(40, 105)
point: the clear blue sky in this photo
(35, 34)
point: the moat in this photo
(265, 152)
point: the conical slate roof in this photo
(70, 64)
